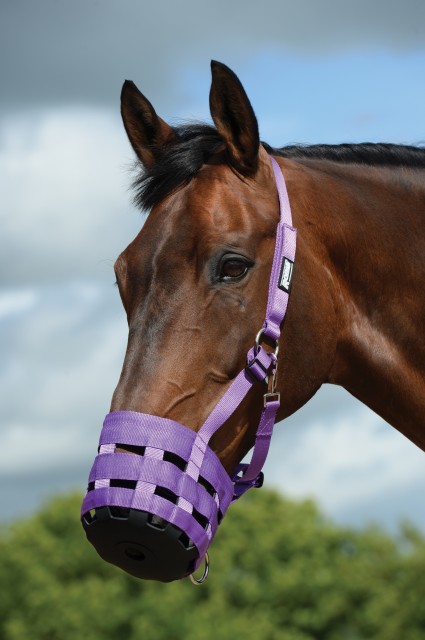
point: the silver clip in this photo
(267, 398)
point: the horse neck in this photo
(370, 221)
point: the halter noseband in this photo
(156, 513)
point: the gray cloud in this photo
(64, 209)
(81, 51)
(338, 452)
(62, 352)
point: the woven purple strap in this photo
(286, 237)
(279, 287)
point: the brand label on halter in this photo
(286, 275)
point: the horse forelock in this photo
(179, 162)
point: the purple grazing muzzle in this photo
(152, 517)
(157, 492)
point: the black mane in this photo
(180, 161)
(370, 153)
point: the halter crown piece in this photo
(155, 511)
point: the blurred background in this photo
(326, 71)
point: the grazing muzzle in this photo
(157, 492)
(154, 511)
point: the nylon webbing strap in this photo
(279, 288)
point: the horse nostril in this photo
(135, 554)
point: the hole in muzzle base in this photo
(135, 554)
(142, 544)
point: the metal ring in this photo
(257, 342)
(199, 581)
(258, 336)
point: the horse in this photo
(194, 281)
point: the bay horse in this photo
(194, 281)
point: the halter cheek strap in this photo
(261, 364)
(176, 477)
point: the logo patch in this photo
(285, 277)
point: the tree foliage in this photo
(279, 571)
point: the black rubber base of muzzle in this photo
(140, 543)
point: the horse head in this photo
(194, 285)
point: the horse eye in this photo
(233, 269)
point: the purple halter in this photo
(155, 513)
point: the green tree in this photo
(279, 571)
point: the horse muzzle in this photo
(140, 543)
(154, 499)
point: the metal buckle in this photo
(267, 396)
(251, 371)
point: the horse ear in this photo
(234, 118)
(147, 132)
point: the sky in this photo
(326, 71)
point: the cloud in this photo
(80, 52)
(65, 213)
(60, 362)
(340, 453)
(15, 302)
